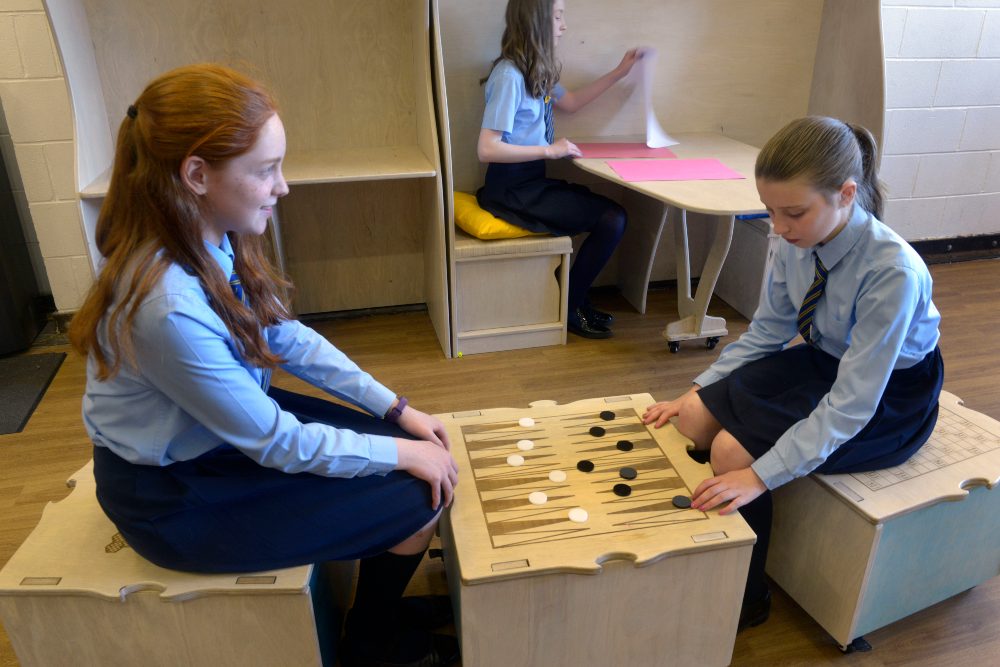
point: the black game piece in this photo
(625, 445)
(622, 490)
(682, 502)
(628, 473)
(607, 415)
(585, 465)
(597, 431)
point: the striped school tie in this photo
(808, 307)
(237, 287)
(550, 128)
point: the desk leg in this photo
(695, 322)
(646, 217)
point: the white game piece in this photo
(557, 476)
(538, 498)
(578, 514)
(515, 460)
(525, 445)
(526, 422)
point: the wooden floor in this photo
(402, 352)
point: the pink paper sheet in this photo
(702, 169)
(623, 150)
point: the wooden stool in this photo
(551, 561)
(860, 551)
(510, 293)
(75, 594)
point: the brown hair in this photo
(826, 152)
(528, 43)
(150, 220)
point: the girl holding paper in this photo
(517, 136)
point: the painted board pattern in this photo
(524, 507)
(955, 439)
(559, 443)
(962, 453)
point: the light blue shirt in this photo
(192, 391)
(876, 316)
(511, 110)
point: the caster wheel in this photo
(710, 343)
(859, 645)
(674, 346)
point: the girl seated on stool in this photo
(199, 462)
(518, 136)
(861, 392)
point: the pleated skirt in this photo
(522, 195)
(758, 402)
(223, 512)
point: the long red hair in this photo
(150, 220)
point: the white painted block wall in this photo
(36, 138)
(941, 158)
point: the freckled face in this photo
(803, 215)
(241, 192)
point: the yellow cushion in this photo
(483, 224)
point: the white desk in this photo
(648, 214)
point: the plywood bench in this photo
(75, 594)
(510, 293)
(860, 551)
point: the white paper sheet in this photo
(655, 136)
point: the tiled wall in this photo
(36, 136)
(941, 158)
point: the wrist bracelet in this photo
(396, 412)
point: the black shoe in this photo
(753, 614)
(579, 324)
(425, 612)
(408, 649)
(597, 316)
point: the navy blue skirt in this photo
(223, 512)
(758, 402)
(520, 193)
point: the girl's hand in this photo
(738, 487)
(424, 427)
(661, 412)
(562, 148)
(628, 60)
(433, 464)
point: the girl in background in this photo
(861, 392)
(517, 137)
(199, 462)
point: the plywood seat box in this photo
(864, 550)
(76, 594)
(510, 293)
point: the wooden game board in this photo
(665, 579)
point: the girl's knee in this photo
(693, 418)
(728, 454)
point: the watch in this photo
(396, 412)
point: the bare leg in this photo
(418, 541)
(728, 454)
(697, 423)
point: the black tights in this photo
(595, 253)
(758, 515)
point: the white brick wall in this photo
(941, 153)
(36, 141)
